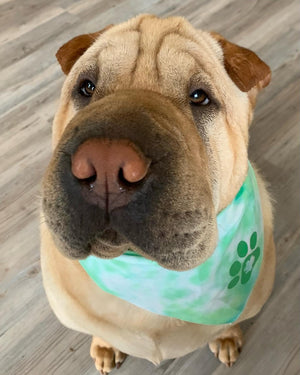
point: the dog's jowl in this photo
(157, 236)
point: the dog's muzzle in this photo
(121, 177)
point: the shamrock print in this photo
(241, 270)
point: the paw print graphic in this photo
(241, 270)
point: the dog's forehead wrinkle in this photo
(149, 56)
(165, 48)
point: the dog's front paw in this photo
(106, 357)
(228, 345)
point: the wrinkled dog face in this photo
(150, 140)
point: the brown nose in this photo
(111, 167)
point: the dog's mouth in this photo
(112, 245)
(111, 237)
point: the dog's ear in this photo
(70, 52)
(243, 66)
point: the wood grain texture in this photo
(32, 341)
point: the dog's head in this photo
(150, 140)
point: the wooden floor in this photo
(32, 341)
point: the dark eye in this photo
(87, 88)
(199, 97)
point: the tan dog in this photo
(170, 107)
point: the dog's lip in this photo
(112, 238)
(108, 231)
(118, 250)
(161, 261)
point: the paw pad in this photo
(241, 270)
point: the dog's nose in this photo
(111, 166)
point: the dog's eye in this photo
(199, 97)
(87, 88)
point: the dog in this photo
(149, 153)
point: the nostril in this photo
(88, 181)
(82, 168)
(124, 182)
(135, 170)
(109, 167)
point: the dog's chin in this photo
(177, 262)
(110, 244)
(169, 262)
(112, 238)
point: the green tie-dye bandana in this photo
(215, 292)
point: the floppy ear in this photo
(243, 66)
(70, 52)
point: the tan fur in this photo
(70, 52)
(76, 300)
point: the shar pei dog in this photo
(156, 234)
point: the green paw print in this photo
(242, 270)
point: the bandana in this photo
(214, 292)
